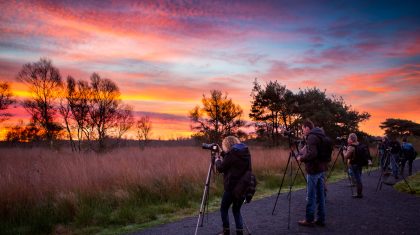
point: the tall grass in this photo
(41, 188)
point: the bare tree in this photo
(78, 96)
(125, 120)
(5, 100)
(104, 103)
(44, 82)
(144, 127)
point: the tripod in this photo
(340, 154)
(387, 160)
(289, 165)
(205, 199)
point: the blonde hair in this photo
(353, 137)
(228, 142)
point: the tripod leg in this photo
(300, 168)
(408, 185)
(281, 184)
(332, 168)
(204, 199)
(380, 180)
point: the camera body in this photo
(213, 147)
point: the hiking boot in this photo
(320, 223)
(306, 223)
(357, 196)
(239, 232)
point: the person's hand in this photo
(299, 158)
(370, 162)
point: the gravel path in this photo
(384, 212)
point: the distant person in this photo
(315, 169)
(395, 151)
(382, 148)
(235, 163)
(408, 153)
(353, 164)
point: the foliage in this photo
(218, 117)
(399, 127)
(332, 114)
(273, 108)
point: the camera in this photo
(213, 147)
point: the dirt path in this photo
(384, 212)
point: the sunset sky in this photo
(165, 54)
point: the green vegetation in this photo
(414, 182)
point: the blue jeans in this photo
(227, 200)
(315, 197)
(357, 174)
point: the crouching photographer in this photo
(236, 162)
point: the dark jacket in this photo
(312, 163)
(395, 147)
(234, 165)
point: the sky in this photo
(164, 55)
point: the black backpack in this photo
(246, 185)
(324, 148)
(362, 154)
(408, 153)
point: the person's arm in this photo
(348, 153)
(223, 165)
(311, 149)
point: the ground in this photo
(385, 211)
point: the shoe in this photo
(306, 223)
(357, 196)
(320, 223)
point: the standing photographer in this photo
(315, 169)
(395, 150)
(408, 154)
(235, 163)
(354, 164)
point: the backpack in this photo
(324, 148)
(362, 154)
(408, 152)
(246, 185)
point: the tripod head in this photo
(214, 150)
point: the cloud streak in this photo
(165, 54)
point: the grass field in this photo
(50, 192)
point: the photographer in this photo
(395, 150)
(382, 152)
(315, 169)
(408, 154)
(235, 163)
(353, 163)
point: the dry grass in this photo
(38, 174)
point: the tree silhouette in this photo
(44, 83)
(272, 109)
(5, 100)
(144, 128)
(218, 117)
(395, 127)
